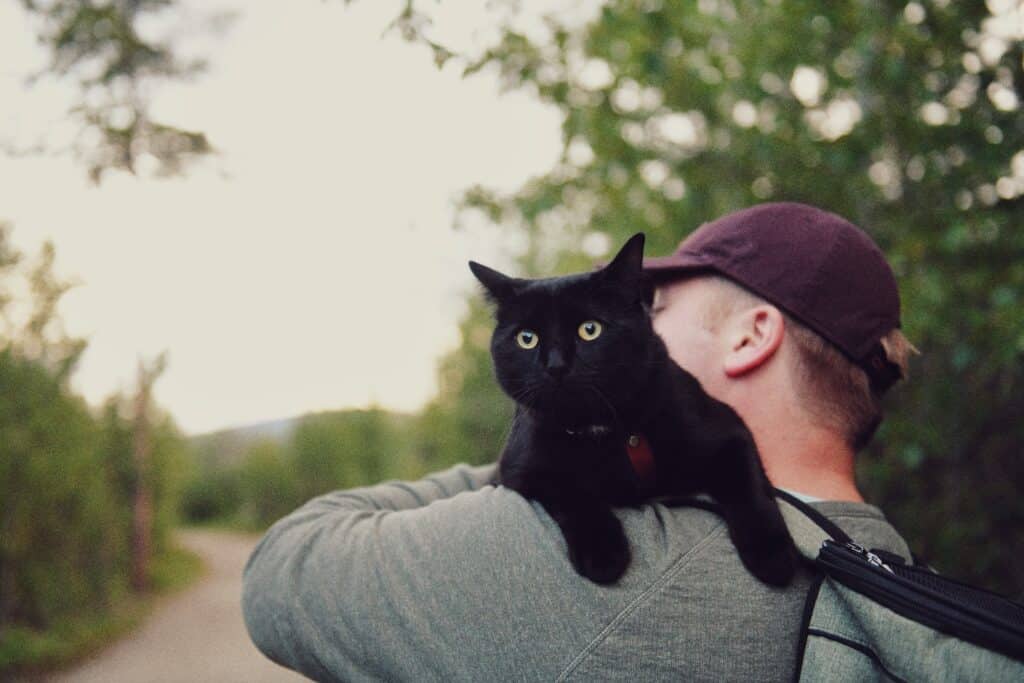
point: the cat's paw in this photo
(775, 566)
(600, 552)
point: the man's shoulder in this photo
(701, 614)
(661, 533)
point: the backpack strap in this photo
(808, 527)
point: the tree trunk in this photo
(142, 504)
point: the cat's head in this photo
(573, 349)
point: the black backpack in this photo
(873, 615)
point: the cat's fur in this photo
(578, 401)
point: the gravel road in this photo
(194, 636)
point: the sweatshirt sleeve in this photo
(412, 581)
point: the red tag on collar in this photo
(639, 451)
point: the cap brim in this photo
(661, 268)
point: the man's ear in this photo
(627, 266)
(753, 337)
(497, 285)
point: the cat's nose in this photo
(556, 365)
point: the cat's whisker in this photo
(527, 394)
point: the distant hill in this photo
(274, 429)
(228, 447)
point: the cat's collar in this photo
(592, 431)
(641, 458)
(637, 448)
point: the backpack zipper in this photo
(850, 564)
(871, 558)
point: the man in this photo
(788, 313)
(832, 296)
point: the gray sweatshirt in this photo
(449, 579)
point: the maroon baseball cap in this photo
(817, 266)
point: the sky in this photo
(312, 264)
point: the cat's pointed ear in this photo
(628, 264)
(498, 285)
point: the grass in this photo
(235, 523)
(174, 570)
(29, 653)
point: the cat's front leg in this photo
(718, 456)
(597, 544)
(738, 483)
(598, 547)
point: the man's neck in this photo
(817, 464)
(797, 453)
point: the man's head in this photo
(786, 303)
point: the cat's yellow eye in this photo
(590, 330)
(526, 339)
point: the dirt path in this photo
(195, 636)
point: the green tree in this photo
(99, 45)
(470, 417)
(54, 555)
(51, 477)
(269, 484)
(904, 117)
(346, 449)
(166, 476)
(40, 336)
(211, 492)
(66, 476)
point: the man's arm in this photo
(440, 579)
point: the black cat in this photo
(592, 381)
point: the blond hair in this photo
(831, 389)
